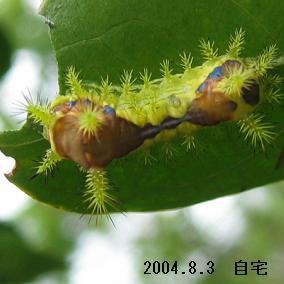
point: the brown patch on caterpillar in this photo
(211, 109)
(115, 138)
(65, 139)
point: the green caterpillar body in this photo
(123, 129)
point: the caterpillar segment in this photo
(92, 126)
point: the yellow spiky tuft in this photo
(207, 49)
(169, 150)
(48, 163)
(236, 79)
(97, 193)
(106, 88)
(236, 43)
(127, 82)
(274, 96)
(145, 76)
(165, 69)
(74, 83)
(265, 61)
(40, 114)
(189, 142)
(256, 130)
(186, 61)
(148, 158)
(272, 89)
(90, 120)
(38, 109)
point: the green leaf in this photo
(6, 53)
(23, 28)
(105, 37)
(19, 262)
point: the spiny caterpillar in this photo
(95, 124)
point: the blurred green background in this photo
(39, 244)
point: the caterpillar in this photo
(94, 124)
